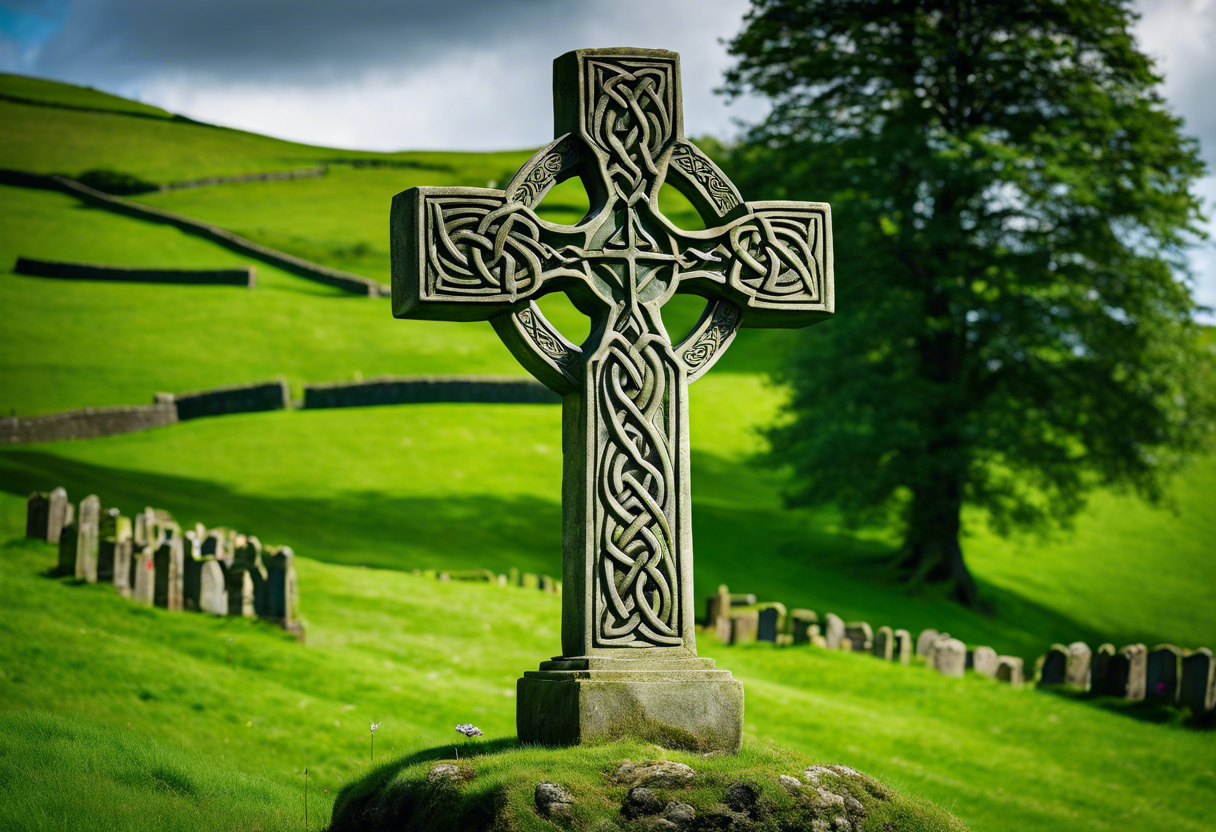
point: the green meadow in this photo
(119, 717)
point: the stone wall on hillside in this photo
(85, 423)
(240, 398)
(93, 271)
(428, 389)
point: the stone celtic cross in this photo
(465, 254)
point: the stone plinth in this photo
(678, 703)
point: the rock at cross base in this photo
(629, 665)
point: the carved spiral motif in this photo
(726, 318)
(484, 248)
(636, 484)
(775, 256)
(536, 330)
(630, 120)
(719, 191)
(544, 173)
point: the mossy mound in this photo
(626, 786)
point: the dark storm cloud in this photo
(283, 41)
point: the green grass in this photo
(70, 95)
(97, 696)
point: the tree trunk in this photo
(931, 552)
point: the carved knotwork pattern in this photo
(707, 344)
(483, 247)
(564, 155)
(630, 119)
(775, 255)
(639, 601)
(546, 339)
(685, 158)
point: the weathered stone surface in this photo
(213, 590)
(552, 799)
(717, 606)
(640, 802)
(658, 774)
(1101, 678)
(744, 626)
(1128, 671)
(1162, 673)
(802, 620)
(37, 513)
(1198, 689)
(861, 635)
(925, 641)
(143, 575)
(56, 514)
(950, 657)
(884, 643)
(248, 557)
(282, 587)
(123, 551)
(903, 647)
(931, 651)
(681, 815)
(768, 624)
(1055, 665)
(170, 571)
(984, 661)
(1076, 674)
(1009, 670)
(478, 254)
(833, 632)
(67, 550)
(446, 773)
(107, 542)
(87, 533)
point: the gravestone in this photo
(884, 643)
(1101, 682)
(463, 254)
(861, 635)
(931, 652)
(192, 571)
(1161, 674)
(218, 544)
(248, 556)
(170, 573)
(57, 514)
(282, 588)
(1129, 672)
(107, 542)
(767, 624)
(1055, 666)
(833, 633)
(950, 657)
(546, 584)
(903, 647)
(1198, 689)
(1076, 674)
(744, 626)
(87, 530)
(239, 585)
(143, 575)
(1009, 670)
(802, 620)
(67, 550)
(924, 641)
(213, 592)
(984, 661)
(123, 548)
(37, 514)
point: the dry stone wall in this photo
(92, 271)
(85, 423)
(427, 389)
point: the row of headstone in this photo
(525, 580)
(1164, 675)
(152, 561)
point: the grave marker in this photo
(924, 641)
(282, 588)
(1161, 674)
(950, 657)
(803, 620)
(884, 643)
(767, 624)
(903, 647)
(37, 515)
(67, 550)
(86, 539)
(861, 635)
(1198, 690)
(57, 515)
(1100, 677)
(1055, 666)
(463, 254)
(1009, 670)
(1076, 674)
(1129, 672)
(107, 543)
(984, 661)
(744, 626)
(143, 575)
(123, 550)
(213, 591)
(169, 570)
(833, 633)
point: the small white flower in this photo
(375, 725)
(469, 730)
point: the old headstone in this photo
(248, 556)
(239, 585)
(217, 543)
(924, 641)
(950, 657)
(768, 622)
(87, 530)
(282, 588)
(984, 661)
(123, 549)
(802, 620)
(861, 634)
(213, 592)
(1161, 674)
(192, 571)
(143, 575)
(884, 643)
(1101, 682)
(1054, 666)
(1198, 689)
(478, 254)
(833, 632)
(1009, 670)
(931, 652)
(1076, 674)
(1129, 672)
(903, 647)
(743, 626)
(170, 570)
(67, 550)
(37, 514)
(56, 514)
(546, 584)
(107, 542)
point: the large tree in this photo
(1011, 204)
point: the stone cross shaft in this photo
(468, 254)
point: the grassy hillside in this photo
(166, 725)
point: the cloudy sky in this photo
(454, 74)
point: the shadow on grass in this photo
(1156, 713)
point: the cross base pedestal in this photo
(676, 703)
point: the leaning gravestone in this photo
(1076, 674)
(1198, 689)
(87, 532)
(1161, 674)
(903, 647)
(37, 513)
(884, 647)
(464, 254)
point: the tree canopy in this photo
(1012, 201)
